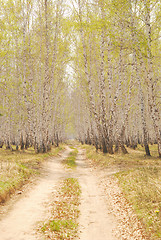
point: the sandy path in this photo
(95, 221)
(19, 223)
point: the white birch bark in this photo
(151, 77)
(88, 76)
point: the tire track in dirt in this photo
(21, 220)
(95, 221)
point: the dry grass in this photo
(142, 188)
(63, 223)
(17, 166)
(134, 159)
(140, 179)
(70, 161)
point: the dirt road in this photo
(95, 221)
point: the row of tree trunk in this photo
(33, 60)
(117, 63)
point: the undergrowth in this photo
(142, 188)
(63, 223)
(70, 161)
(140, 179)
(134, 159)
(16, 167)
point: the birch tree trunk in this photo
(151, 77)
(88, 76)
(138, 79)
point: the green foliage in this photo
(57, 226)
(23, 69)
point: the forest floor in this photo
(104, 210)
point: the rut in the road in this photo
(95, 221)
(20, 222)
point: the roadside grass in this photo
(134, 159)
(63, 223)
(70, 161)
(16, 167)
(142, 188)
(140, 179)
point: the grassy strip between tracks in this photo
(140, 180)
(63, 223)
(16, 167)
(70, 161)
